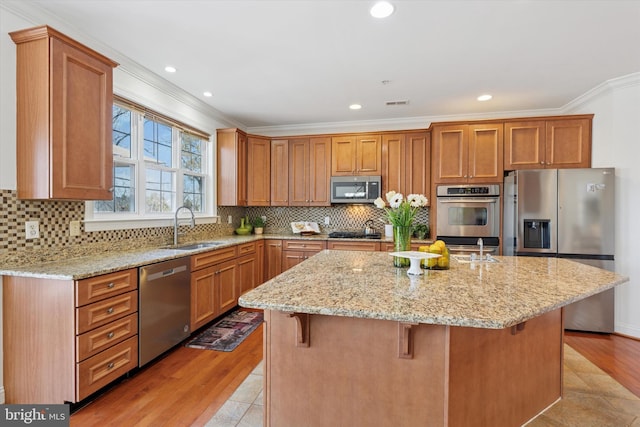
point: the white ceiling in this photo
(280, 63)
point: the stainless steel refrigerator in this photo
(566, 213)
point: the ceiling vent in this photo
(401, 102)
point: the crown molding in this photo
(379, 125)
(603, 88)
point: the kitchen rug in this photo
(228, 333)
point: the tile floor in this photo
(245, 406)
(591, 399)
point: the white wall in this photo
(615, 143)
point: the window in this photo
(158, 166)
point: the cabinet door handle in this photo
(110, 310)
(110, 365)
(111, 285)
(110, 335)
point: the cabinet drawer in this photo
(102, 312)
(206, 259)
(246, 248)
(99, 370)
(101, 287)
(303, 245)
(93, 342)
(354, 246)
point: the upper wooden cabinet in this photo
(64, 108)
(356, 155)
(232, 167)
(468, 153)
(279, 172)
(309, 171)
(258, 171)
(557, 143)
(406, 163)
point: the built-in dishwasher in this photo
(164, 307)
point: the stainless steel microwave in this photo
(355, 189)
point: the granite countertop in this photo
(107, 262)
(483, 295)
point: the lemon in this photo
(440, 243)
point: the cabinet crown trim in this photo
(45, 31)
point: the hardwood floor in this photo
(618, 356)
(188, 386)
(184, 388)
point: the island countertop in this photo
(478, 294)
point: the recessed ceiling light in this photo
(207, 94)
(381, 9)
(355, 106)
(170, 69)
(484, 97)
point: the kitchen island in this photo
(352, 340)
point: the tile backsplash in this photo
(55, 241)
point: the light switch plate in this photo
(327, 220)
(32, 229)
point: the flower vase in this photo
(401, 243)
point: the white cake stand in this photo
(415, 257)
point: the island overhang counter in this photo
(351, 340)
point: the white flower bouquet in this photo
(401, 211)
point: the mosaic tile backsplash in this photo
(55, 241)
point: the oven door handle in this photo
(467, 200)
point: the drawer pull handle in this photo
(110, 310)
(110, 335)
(111, 285)
(110, 365)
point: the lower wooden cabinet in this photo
(221, 277)
(343, 245)
(226, 286)
(296, 251)
(65, 339)
(213, 284)
(273, 258)
(98, 371)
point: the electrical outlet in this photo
(264, 218)
(230, 219)
(327, 220)
(32, 229)
(74, 228)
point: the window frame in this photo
(139, 218)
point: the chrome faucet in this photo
(176, 223)
(481, 244)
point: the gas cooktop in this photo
(353, 235)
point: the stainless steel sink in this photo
(194, 246)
